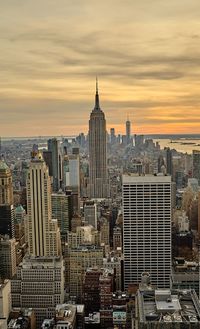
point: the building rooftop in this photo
(93, 318)
(3, 165)
(168, 306)
(65, 312)
(135, 178)
(19, 209)
(47, 324)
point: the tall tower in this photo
(196, 164)
(6, 189)
(55, 162)
(97, 152)
(6, 200)
(169, 161)
(147, 229)
(43, 232)
(128, 132)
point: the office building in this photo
(6, 200)
(106, 290)
(82, 258)
(39, 284)
(91, 290)
(98, 179)
(128, 132)
(147, 228)
(196, 165)
(7, 257)
(19, 224)
(56, 162)
(7, 216)
(6, 189)
(43, 232)
(113, 137)
(117, 240)
(5, 299)
(72, 173)
(60, 211)
(90, 213)
(104, 231)
(113, 263)
(169, 161)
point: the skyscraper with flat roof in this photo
(128, 132)
(196, 164)
(147, 229)
(98, 181)
(43, 232)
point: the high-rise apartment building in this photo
(196, 164)
(43, 232)
(147, 229)
(98, 181)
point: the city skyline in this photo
(145, 54)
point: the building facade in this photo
(39, 284)
(43, 232)
(98, 181)
(147, 229)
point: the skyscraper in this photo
(98, 182)
(90, 213)
(128, 132)
(55, 162)
(196, 164)
(43, 232)
(6, 189)
(169, 161)
(6, 200)
(147, 229)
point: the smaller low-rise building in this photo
(165, 308)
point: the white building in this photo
(39, 284)
(5, 299)
(147, 229)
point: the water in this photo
(184, 145)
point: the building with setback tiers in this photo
(98, 181)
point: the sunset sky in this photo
(146, 54)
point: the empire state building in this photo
(98, 180)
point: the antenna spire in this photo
(97, 106)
